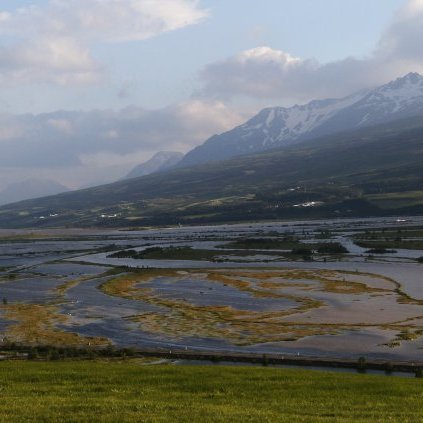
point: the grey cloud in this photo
(126, 89)
(267, 73)
(403, 39)
(65, 138)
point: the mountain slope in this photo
(278, 126)
(31, 188)
(161, 161)
(347, 174)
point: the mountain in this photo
(366, 172)
(161, 161)
(31, 188)
(278, 126)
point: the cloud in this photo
(91, 148)
(4, 16)
(52, 43)
(56, 60)
(402, 40)
(63, 126)
(108, 20)
(266, 73)
(126, 89)
(58, 139)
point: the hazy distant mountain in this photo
(278, 126)
(31, 188)
(161, 161)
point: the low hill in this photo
(373, 171)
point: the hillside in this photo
(373, 171)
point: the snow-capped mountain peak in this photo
(399, 98)
(411, 79)
(279, 126)
(407, 87)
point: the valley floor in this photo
(340, 289)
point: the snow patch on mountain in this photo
(279, 123)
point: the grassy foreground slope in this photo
(124, 392)
(374, 171)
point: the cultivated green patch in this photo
(283, 243)
(178, 253)
(411, 239)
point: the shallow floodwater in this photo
(200, 292)
(33, 270)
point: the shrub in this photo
(331, 248)
(302, 251)
(380, 251)
(362, 364)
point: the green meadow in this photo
(90, 391)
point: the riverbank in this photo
(361, 364)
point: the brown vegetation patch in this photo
(179, 318)
(35, 325)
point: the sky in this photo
(90, 88)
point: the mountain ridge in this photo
(163, 160)
(276, 127)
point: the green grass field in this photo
(129, 392)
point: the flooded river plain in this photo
(340, 288)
